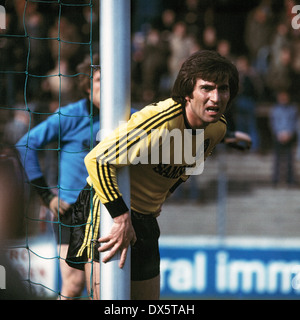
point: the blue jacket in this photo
(71, 128)
(284, 118)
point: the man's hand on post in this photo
(121, 236)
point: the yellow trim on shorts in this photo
(91, 229)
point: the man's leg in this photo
(92, 277)
(72, 279)
(146, 289)
(145, 258)
(140, 290)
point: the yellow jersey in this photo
(155, 167)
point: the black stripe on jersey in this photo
(121, 143)
(106, 182)
(104, 175)
(105, 166)
(152, 128)
(223, 119)
(111, 183)
(168, 110)
(152, 124)
(101, 180)
(145, 134)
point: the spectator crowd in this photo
(43, 43)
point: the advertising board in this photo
(233, 268)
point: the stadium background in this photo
(233, 201)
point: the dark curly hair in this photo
(209, 66)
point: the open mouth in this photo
(213, 110)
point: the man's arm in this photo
(28, 147)
(102, 164)
(238, 140)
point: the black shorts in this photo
(145, 257)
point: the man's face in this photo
(96, 89)
(208, 102)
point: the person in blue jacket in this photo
(74, 128)
(283, 124)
